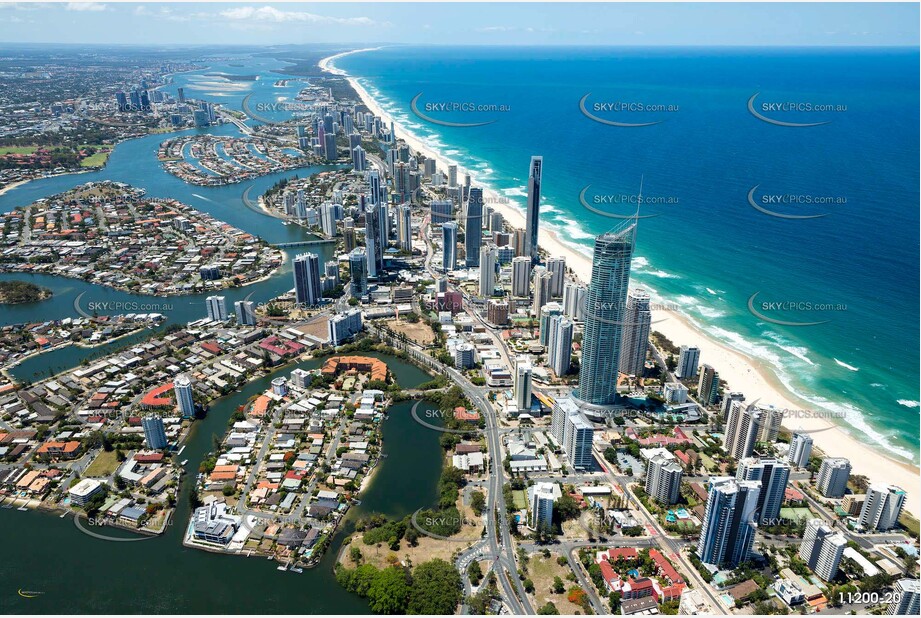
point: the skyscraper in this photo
(406, 228)
(559, 345)
(521, 276)
(833, 475)
(882, 507)
(743, 424)
(906, 598)
(573, 432)
(359, 159)
(533, 209)
(154, 433)
(663, 475)
(449, 243)
(488, 257)
(523, 384)
(822, 548)
(373, 245)
(185, 399)
(542, 497)
(542, 280)
(729, 522)
(329, 147)
(546, 312)
(708, 385)
(246, 315)
(473, 227)
(773, 476)
(688, 359)
(604, 315)
(574, 301)
(442, 211)
(637, 321)
(800, 450)
(307, 288)
(217, 308)
(358, 271)
(556, 266)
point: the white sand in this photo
(743, 374)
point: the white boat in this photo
(297, 569)
(183, 462)
(283, 567)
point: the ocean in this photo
(715, 177)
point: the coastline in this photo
(742, 373)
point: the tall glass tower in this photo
(533, 212)
(605, 309)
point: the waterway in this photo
(77, 573)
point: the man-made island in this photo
(111, 234)
(209, 160)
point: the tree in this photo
(558, 586)
(567, 507)
(528, 585)
(478, 501)
(355, 554)
(548, 610)
(389, 592)
(436, 588)
(475, 573)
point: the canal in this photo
(77, 573)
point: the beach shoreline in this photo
(742, 373)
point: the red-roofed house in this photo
(665, 568)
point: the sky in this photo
(651, 24)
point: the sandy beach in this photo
(13, 185)
(742, 373)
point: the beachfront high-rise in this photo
(708, 386)
(800, 450)
(605, 302)
(635, 342)
(532, 215)
(729, 522)
(307, 288)
(688, 359)
(882, 507)
(473, 227)
(833, 476)
(185, 399)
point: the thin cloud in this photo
(85, 6)
(269, 14)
